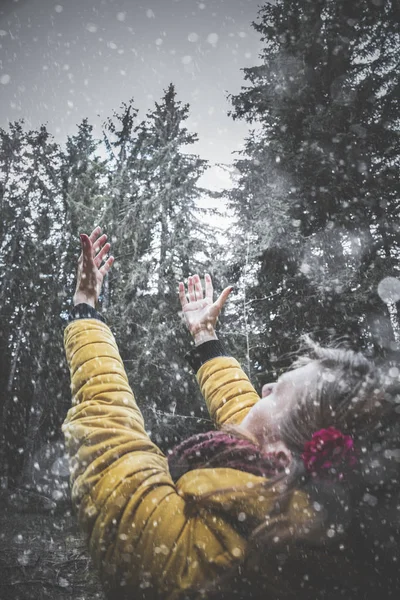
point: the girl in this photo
(294, 495)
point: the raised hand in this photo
(199, 310)
(90, 272)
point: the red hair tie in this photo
(329, 449)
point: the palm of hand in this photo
(199, 310)
(89, 278)
(200, 314)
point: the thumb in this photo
(85, 241)
(86, 244)
(223, 297)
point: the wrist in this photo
(81, 298)
(204, 335)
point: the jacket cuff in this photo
(84, 311)
(205, 352)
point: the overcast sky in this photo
(63, 61)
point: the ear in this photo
(280, 451)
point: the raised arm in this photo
(147, 536)
(227, 391)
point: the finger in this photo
(223, 297)
(99, 257)
(192, 295)
(95, 234)
(209, 287)
(107, 266)
(99, 242)
(198, 288)
(182, 294)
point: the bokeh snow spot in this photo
(212, 38)
(389, 289)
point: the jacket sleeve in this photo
(144, 533)
(227, 391)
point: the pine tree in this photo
(128, 218)
(316, 181)
(12, 318)
(161, 235)
(84, 183)
(32, 348)
(173, 176)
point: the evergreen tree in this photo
(84, 184)
(160, 235)
(128, 218)
(317, 177)
(174, 189)
(32, 349)
(14, 212)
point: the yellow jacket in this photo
(149, 536)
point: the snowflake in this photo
(212, 38)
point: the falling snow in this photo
(295, 205)
(212, 38)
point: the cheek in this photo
(266, 406)
(274, 407)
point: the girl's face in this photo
(277, 400)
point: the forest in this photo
(311, 230)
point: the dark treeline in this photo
(316, 225)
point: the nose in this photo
(267, 389)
